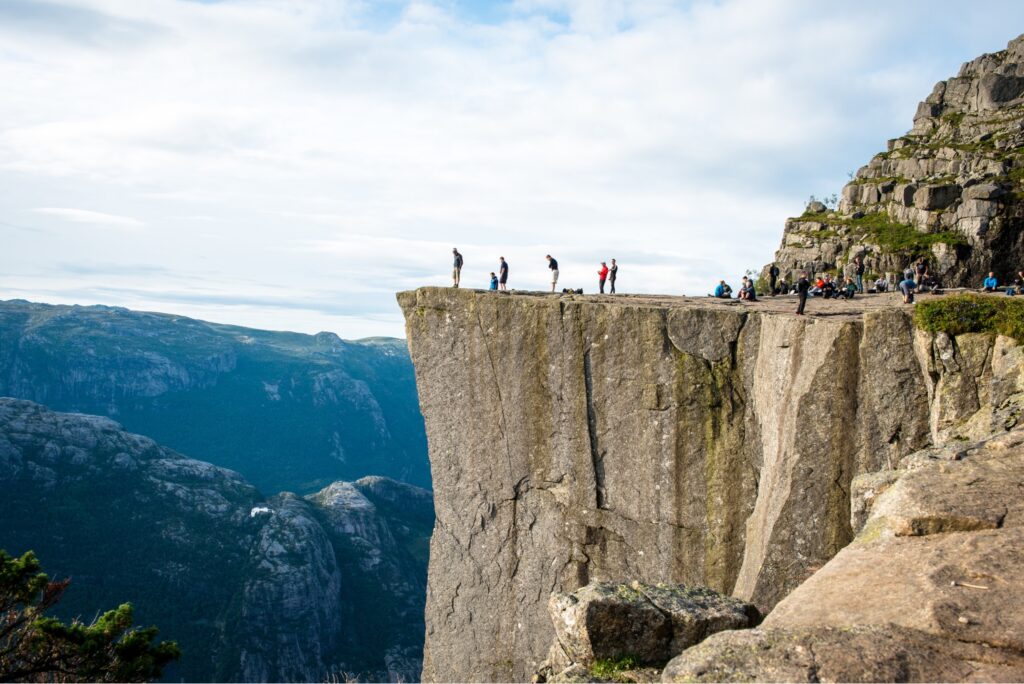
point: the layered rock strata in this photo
(949, 190)
(661, 439)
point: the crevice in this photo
(596, 458)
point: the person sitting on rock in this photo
(816, 289)
(828, 288)
(849, 289)
(990, 284)
(783, 287)
(907, 287)
(722, 290)
(881, 284)
(747, 291)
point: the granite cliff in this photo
(949, 190)
(284, 588)
(575, 439)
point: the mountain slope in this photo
(289, 411)
(279, 589)
(949, 190)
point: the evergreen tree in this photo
(34, 647)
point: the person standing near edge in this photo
(553, 265)
(456, 267)
(613, 273)
(802, 287)
(773, 279)
(502, 274)
(602, 276)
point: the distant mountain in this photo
(291, 412)
(254, 589)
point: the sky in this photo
(291, 164)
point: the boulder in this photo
(932, 197)
(840, 654)
(816, 207)
(649, 623)
(984, 191)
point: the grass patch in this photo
(612, 668)
(877, 228)
(972, 313)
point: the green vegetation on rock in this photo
(611, 669)
(879, 229)
(972, 313)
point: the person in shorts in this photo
(553, 265)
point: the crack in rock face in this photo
(659, 453)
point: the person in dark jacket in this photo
(502, 274)
(456, 267)
(773, 278)
(803, 286)
(553, 265)
(858, 270)
(613, 273)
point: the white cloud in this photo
(341, 148)
(95, 218)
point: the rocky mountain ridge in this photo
(289, 411)
(666, 440)
(285, 588)
(950, 190)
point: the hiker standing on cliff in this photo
(553, 265)
(803, 286)
(456, 267)
(613, 273)
(858, 269)
(602, 276)
(502, 274)
(773, 278)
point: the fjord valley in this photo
(290, 412)
(305, 560)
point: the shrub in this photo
(970, 313)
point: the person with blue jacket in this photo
(494, 281)
(990, 283)
(723, 291)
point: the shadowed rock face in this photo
(253, 588)
(659, 439)
(949, 190)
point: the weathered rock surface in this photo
(253, 588)
(847, 654)
(646, 622)
(671, 440)
(948, 190)
(929, 591)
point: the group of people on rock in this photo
(499, 281)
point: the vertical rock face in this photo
(663, 440)
(949, 190)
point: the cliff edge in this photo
(662, 439)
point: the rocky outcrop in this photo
(929, 591)
(290, 412)
(647, 624)
(949, 190)
(253, 588)
(575, 439)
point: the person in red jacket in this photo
(602, 275)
